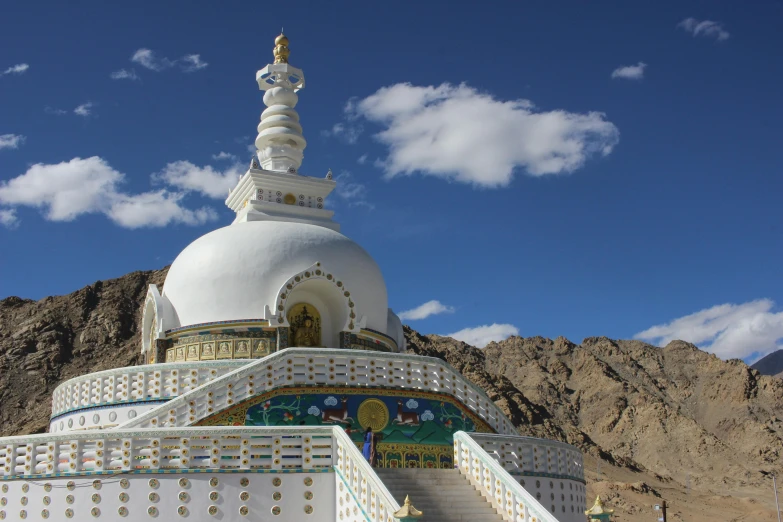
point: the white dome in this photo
(235, 271)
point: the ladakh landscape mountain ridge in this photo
(672, 423)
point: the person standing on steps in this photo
(369, 445)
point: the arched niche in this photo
(328, 301)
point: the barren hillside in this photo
(674, 423)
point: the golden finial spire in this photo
(407, 511)
(281, 51)
(598, 509)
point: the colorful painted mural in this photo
(415, 429)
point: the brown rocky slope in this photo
(43, 343)
(674, 423)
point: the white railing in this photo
(236, 448)
(513, 502)
(230, 448)
(520, 455)
(366, 488)
(332, 367)
(136, 383)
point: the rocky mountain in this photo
(771, 364)
(670, 423)
(674, 423)
(43, 343)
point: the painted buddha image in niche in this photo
(305, 324)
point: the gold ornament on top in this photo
(373, 413)
(407, 511)
(598, 511)
(305, 324)
(281, 50)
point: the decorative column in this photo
(280, 142)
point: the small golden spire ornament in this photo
(281, 50)
(598, 512)
(407, 511)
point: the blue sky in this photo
(602, 168)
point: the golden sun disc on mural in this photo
(373, 413)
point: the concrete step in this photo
(451, 491)
(444, 495)
(416, 471)
(409, 489)
(449, 517)
(452, 481)
(445, 509)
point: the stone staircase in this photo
(443, 495)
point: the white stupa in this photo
(269, 354)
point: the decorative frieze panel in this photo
(413, 427)
(367, 340)
(227, 345)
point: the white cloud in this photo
(361, 160)
(19, 68)
(64, 190)
(461, 134)
(11, 141)
(205, 180)
(149, 60)
(630, 72)
(192, 63)
(706, 28)
(347, 133)
(427, 309)
(727, 330)
(84, 110)
(146, 58)
(224, 156)
(124, 74)
(58, 112)
(8, 217)
(355, 194)
(480, 336)
(67, 190)
(156, 209)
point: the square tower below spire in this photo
(265, 195)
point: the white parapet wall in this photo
(220, 496)
(98, 417)
(127, 392)
(227, 474)
(509, 494)
(330, 367)
(551, 471)
(126, 396)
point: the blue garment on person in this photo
(367, 448)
